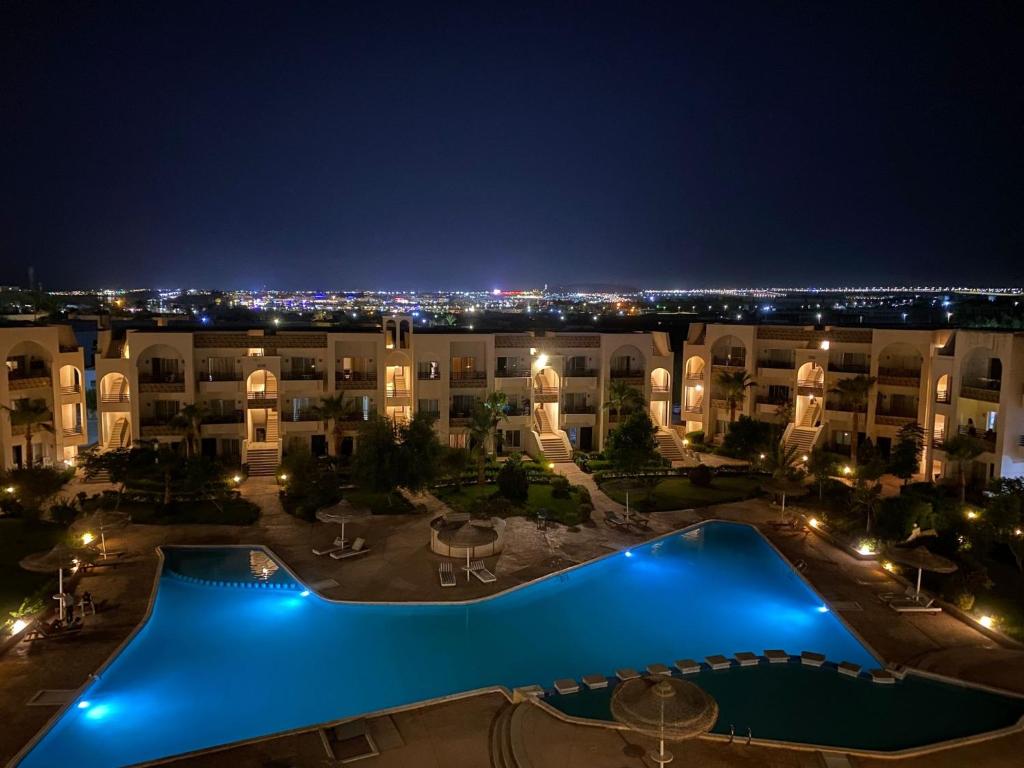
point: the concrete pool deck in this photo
(401, 567)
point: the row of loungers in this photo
(446, 573)
(339, 549)
(717, 662)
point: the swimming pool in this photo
(217, 664)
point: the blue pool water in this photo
(216, 664)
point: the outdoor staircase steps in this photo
(554, 443)
(262, 461)
(668, 445)
(501, 739)
(802, 438)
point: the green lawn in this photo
(679, 493)
(562, 510)
(229, 511)
(17, 539)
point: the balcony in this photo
(233, 417)
(220, 376)
(512, 373)
(428, 375)
(695, 376)
(70, 389)
(899, 377)
(460, 418)
(355, 379)
(265, 399)
(545, 394)
(32, 379)
(164, 382)
(810, 387)
(580, 373)
(697, 406)
(159, 426)
(895, 417)
(786, 365)
(75, 431)
(396, 393)
(584, 409)
(944, 397)
(776, 402)
(294, 417)
(987, 438)
(468, 379)
(517, 409)
(736, 363)
(114, 398)
(858, 368)
(302, 375)
(938, 438)
(981, 389)
(844, 407)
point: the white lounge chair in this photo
(335, 546)
(478, 569)
(358, 548)
(447, 574)
(612, 519)
(915, 605)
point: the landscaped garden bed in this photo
(671, 493)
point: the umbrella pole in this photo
(60, 581)
(467, 564)
(917, 595)
(103, 543)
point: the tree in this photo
(962, 450)
(747, 438)
(191, 418)
(419, 452)
(29, 415)
(376, 465)
(454, 462)
(334, 411)
(486, 417)
(120, 465)
(822, 465)
(734, 385)
(906, 455)
(513, 480)
(623, 398)
(633, 446)
(865, 500)
(854, 393)
(780, 460)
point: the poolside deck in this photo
(402, 568)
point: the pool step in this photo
(501, 738)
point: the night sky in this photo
(423, 146)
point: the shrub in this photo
(64, 510)
(493, 506)
(513, 481)
(696, 436)
(898, 515)
(701, 476)
(585, 510)
(559, 487)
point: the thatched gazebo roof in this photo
(664, 707)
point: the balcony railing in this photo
(584, 409)
(232, 417)
(468, 376)
(302, 375)
(70, 389)
(265, 396)
(844, 407)
(72, 431)
(517, 410)
(938, 438)
(903, 413)
(460, 418)
(944, 397)
(695, 375)
(849, 367)
(782, 364)
(220, 376)
(898, 375)
(428, 375)
(512, 373)
(293, 416)
(626, 373)
(162, 378)
(730, 362)
(392, 391)
(810, 383)
(32, 372)
(988, 437)
(580, 373)
(114, 397)
(356, 379)
(659, 389)
(770, 400)
(982, 382)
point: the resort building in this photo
(42, 394)
(948, 381)
(260, 386)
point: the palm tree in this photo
(854, 394)
(30, 415)
(866, 498)
(962, 450)
(780, 459)
(191, 417)
(335, 408)
(734, 385)
(487, 415)
(623, 397)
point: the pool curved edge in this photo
(926, 749)
(159, 571)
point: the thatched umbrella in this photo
(785, 487)
(336, 514)
(104, 521)
(470, 535)
(665, 708)
(58, 559)
(923, 559)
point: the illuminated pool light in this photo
(628, 553)
(304, 593)
(84, 704)
(822, 609)
(98, 712)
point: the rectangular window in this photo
(510, 366)
(165, 410)
(575, 364)
(512, 438)
(301, 406)
(433, 407)
(463, 367)
(220, 368)
(778, 393)
(428, 370)
(230, 447)
(458, 440)
(462, 405)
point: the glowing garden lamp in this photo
(847, 470)
(88, 538)
(237, 478)
(814, 522)
(988, 622)
(18, 626)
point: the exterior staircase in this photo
(669, 445)
(262, 461)
(118, 435)
(554, 443)
(802, 438)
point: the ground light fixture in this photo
(9, 489)
(18, 625)
(847, 469)
(237, 478)
(805, 457)
(88, 538)
(972, 515)
(814, 522)
(988, 622)
(284, 477)
(865, 548)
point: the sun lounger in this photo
(529, 691)
(612, 519)
(358, 548)
(447, 574)
(639, 521)
(40, 631)
(912, 605)
(335, 546)
(688, 666)
(478, 569)
(566, 685)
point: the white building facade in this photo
(42, 363)
(260, 386)
(946, 380)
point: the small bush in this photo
(701, 476)
(513, 481)
(493, 506)
(64, 510)
(696, 436)
(585, 510)
(559, 487)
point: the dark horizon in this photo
(460, 147)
